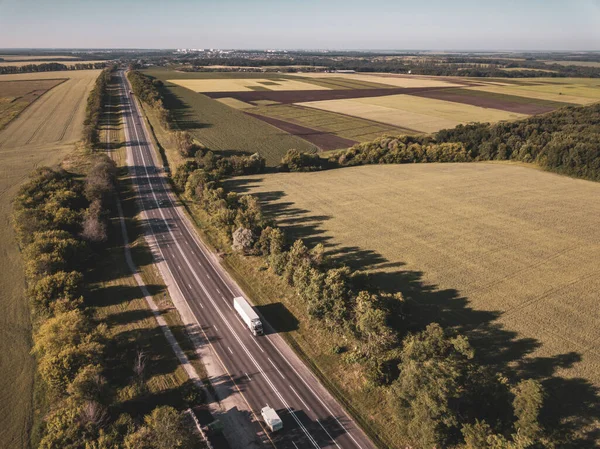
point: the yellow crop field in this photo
(388, 79)
(566, 92)
(416, 113)
(507, 253)
(243, 85)
(42, 135)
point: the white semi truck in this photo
(248, 315)
(271, 419)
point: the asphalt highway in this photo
(258, 368)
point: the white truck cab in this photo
(271, 419)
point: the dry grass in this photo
(508, 254)
(41, 122)
(243, 85)
(416, 113)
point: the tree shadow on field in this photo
(182, 113)
(572, 406)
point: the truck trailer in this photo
(248, 315)
(271, 419)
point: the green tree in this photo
(64, 344)
(371, 324)
(529, 398)
(164, 428)
(433, 366)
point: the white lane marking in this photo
(190, 285)
(201, 305)
(328, 434)
(301, 400)
(294, 444)
(257, 345)
(274, 366)
(216, 328)
(208, 275)
(309, 436)
(248, 377)
(315, 394)
(219, 291)
(230, 350)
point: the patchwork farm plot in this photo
(335, 110)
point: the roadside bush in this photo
(59, 285)
(297, 161)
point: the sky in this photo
(302, 24)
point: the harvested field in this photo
(243, 85)
(222, 128)
(15, 96)
(42, 135)
(323, 140)
(506, 253)
(57, 117)
(408, 81)
(346, 83)
(504, 102)
(299, 96)
(408, 111)
(345, 126)
(543, 92)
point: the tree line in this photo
(565, 141)
(61, 224)
(49, 67)
(94, 107)
(429, 65)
